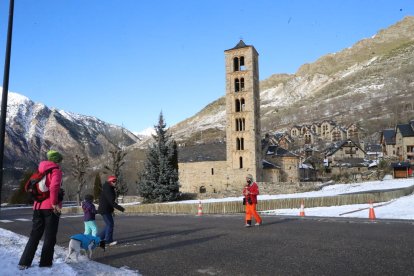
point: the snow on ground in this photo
(12, 245)
(11, 248)
(330, 190)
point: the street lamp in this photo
(5, 91)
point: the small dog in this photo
(83, 242)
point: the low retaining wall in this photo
(263, 205)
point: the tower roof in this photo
(240, 45)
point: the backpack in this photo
(36, 185)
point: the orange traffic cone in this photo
(200, 209)
(302, 209)
(371, 211)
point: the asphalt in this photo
(220, 245)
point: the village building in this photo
(387, 142)
(346, 151)
(404, 140)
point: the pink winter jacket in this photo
(53, 181)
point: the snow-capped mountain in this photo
(33, 128)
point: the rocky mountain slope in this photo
(33, 128)
(370, 83)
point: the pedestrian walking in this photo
(107, 205)
(250, 192)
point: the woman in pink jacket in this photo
(45, 215)
(250, 192)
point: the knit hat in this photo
(54, 156)
(112, 178)
(249, 176)
(88, 197)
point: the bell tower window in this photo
(238, 64)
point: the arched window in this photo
(202, 190)
(237, 125)
(241, 84)
(242, 67)
(236, 65)
(242, 104)
(241, 162)
(241, 143)
(243, 124)
(237, 85)
(237, 105)
(238, 143)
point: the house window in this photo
(203, 190)
(241, 162)
(242, 104)
(242, 84)
(237, 143)
(212, 171)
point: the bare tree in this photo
(115, 164)
(80, 167)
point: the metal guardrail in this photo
(231, 207)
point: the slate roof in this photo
(239, 45)
(202, 152)
(330, 151)
(389, 136)
(278, 151)
(406, 130)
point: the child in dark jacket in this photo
(89, 212)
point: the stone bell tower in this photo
(243, 113)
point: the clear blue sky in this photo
(124, 61)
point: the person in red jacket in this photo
(250, 192)
(45, 215)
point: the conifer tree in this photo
(20, 196)
(97, 188)
(159, 180)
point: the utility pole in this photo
(5, 92)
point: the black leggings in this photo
(44, 221)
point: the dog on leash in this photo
(83, 242)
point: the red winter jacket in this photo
(253, 192)
(53, 181)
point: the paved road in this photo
(220, 245)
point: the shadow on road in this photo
(158, 248)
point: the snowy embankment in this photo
(331, 190)
(11, 248)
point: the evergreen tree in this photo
(97, 188)
(159, 180)
(20, 196)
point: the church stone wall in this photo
(212, 175)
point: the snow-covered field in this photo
(12, 245)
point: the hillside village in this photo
(329, 150)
